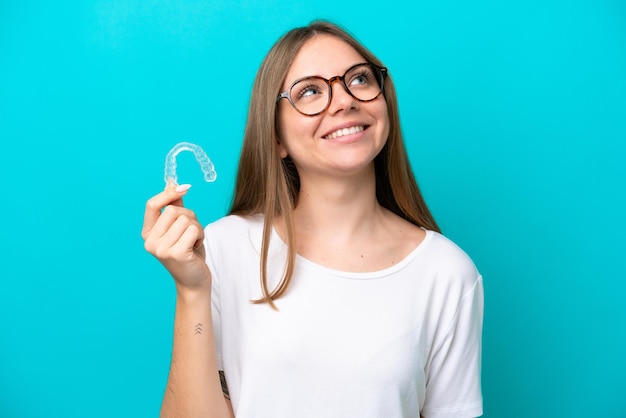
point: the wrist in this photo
(194, 295)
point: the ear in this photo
(282, 151)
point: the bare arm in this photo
(174, 236)
(194, 387)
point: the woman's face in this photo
(344, 139)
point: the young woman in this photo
(328, 290)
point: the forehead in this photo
(323, 55)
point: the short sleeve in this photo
(453, 385)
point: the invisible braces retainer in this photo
(203, 159)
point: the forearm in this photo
(193, 386)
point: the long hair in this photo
(269, 185)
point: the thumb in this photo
(179, 190)
(155, 205)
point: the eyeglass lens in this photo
(311, 95)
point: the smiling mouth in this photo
(345, 131)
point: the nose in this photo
(341, 99)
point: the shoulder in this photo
(232, 233)
(232, 241)
(448, 262)
(442, 248)
(233, 224)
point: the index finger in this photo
(154, 205)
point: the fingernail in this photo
(182, 188)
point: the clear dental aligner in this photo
(203, 159)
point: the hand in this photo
(174, 236)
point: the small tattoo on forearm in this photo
(198, 328)
(224, 385)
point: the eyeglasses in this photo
(312, 95)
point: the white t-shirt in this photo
(391, 343)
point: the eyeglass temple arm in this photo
(383, 75)
(283, 95)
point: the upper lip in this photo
(344, 126)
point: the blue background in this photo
(515, 119)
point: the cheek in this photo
(286, 124)
(294, 128)
(383, 116)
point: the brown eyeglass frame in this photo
(381, 72)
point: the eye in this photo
(362, 77)
(309, 89)
(306, 91)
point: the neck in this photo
(336, 207)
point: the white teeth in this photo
(345, 131)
